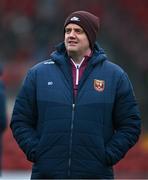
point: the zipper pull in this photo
(73, 106)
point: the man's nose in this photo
(72, 33)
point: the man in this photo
(76, 115)
(2, 114)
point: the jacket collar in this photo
(60, 54)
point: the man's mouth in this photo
(72, 43)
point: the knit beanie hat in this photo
(88, 22)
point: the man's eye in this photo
(79, 31)
(67, 30)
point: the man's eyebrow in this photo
(67, 28)
(74, 28)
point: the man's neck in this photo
(78, 58)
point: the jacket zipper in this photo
(70, 144)
(77, 74)
(77, 66)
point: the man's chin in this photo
(71, 50)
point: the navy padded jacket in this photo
(75, 138)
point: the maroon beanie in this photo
(89, 23)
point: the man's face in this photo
(76, 40)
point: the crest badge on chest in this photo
(99, 85)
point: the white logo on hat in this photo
(75, 19)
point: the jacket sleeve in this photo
(127, 122)
(24, 117)
(3, 119)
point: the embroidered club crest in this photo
(99, 85)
